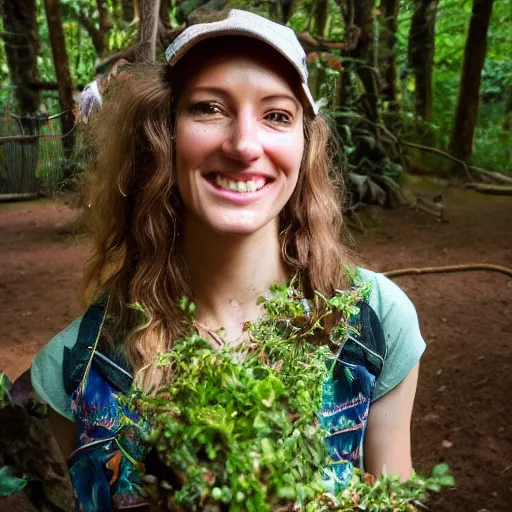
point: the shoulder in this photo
(46, 370)
(400, 326)
(386, 298)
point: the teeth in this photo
(239, 186)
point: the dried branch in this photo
(312, 44)
(450, 268)
(496, 176)
(441, 153)
(496, 190)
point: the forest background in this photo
(413, 87)
(409, 83)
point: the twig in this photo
(19, 138)
(55, 116)
(41, 116)
(452, 268)
(507, 468)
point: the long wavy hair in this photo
(135, 214)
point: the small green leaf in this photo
(9, 484)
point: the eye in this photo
(205, 108)
(279, 117)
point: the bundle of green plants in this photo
(236, 429)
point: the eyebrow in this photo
(223, 92)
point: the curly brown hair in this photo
(135, 217)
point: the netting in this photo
(31, 155)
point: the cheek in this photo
(193, 145)
(286, 152)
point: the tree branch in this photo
(441, 153)
(451, 268)
(495, 190)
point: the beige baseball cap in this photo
(244, 23)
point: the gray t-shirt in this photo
(396, 313)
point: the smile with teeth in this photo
(242, 187)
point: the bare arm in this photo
(64, 432)
(388, 436)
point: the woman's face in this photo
(239, 142)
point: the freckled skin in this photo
(248, 121)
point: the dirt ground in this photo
(463, 411)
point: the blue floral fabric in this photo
(105, 467)
(346, 397)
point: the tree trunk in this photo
(507, 117)
(287, 7)
(104, 26)
(321, 17)
(21, 51)
(165, 12)
(60, 60)
(128, 10)
(148, 29)
(421, 54)
(461, 144)
(364, 51)
(388, 62)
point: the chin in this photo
(238, 223)
(236, 229)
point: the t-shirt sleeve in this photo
(46, 371)
(399, 322)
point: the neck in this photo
(229, 272)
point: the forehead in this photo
(237, 58)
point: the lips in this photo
(239, 188)
(239, 176)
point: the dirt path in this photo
(463, 409)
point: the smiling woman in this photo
(211, 178)
(239, 135)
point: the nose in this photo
(243, 142)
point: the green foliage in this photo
(9, 483)
(491, 140)
(237, 428)
(386, 494)
(5, 386)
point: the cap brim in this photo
(173, 57)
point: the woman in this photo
(213, 180)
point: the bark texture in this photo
(321, 17)
(60, 60)
(128, 10)
(360, 45)
(148, 29)
(461, 144)
(21, 52)
(421, 53)
(165, 12)
(388, 41)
